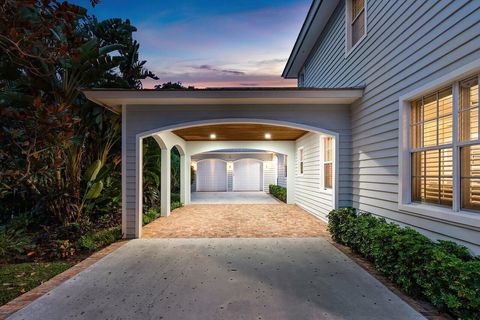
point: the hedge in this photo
(442, 272)
(278, 192)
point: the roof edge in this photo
(315, 21)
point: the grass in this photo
(16, 279)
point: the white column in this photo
(291, 165)
(188, 180)
(165, 183)
(183, 179)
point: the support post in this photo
(165, 186)
(291, 163)
(188, 180)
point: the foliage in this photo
(152, 173)
(16, 279)
(151, 215)
(94, 241)
(154, 213)
(13, 242)
(442, 272)
(50, 134)
(278, 192)
(173, 86)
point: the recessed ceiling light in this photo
(213, 136)
(268, 136)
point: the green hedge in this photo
(278, 192)
(442, 272)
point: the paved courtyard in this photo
(244, 197)
(237, 221)
(276, 278)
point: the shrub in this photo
(442, 272)
(150, 215)
(175, 204)
(278, 192)
(13, 242)
(94, 241)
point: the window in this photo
(356, 18)
(301, 159)
(285, 167)
(445, 146)
(470, 146)
(327, 162)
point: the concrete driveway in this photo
(244, 197)
(271, 278)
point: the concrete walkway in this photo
(279, 278)
(233, 198)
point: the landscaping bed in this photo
(278, 192)
(443, 273)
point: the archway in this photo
(189, 148)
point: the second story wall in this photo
(409, 44)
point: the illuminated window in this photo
(328, 162)
(438, 150)
(470, 151)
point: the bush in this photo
(150, 215)
(13, 243)
(94, 241)
(278, 192)
(442, 272)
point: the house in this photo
(384, 119)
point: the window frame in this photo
(301, 161)
(454, 213)
(324, 162)
(349, 46)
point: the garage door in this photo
(211, 175)
(247, 175)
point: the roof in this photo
(113, 99)
(316, 20)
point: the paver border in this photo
(23, 300)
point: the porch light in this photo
(213, 136)
(268, 136)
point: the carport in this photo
(288, 121)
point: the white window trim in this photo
(322, 165)
(301, 151)
(405, 203)
(348, 28)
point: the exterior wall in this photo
(140, 119)
(269, 174)
(309, 193)
(408, 45)
(281, 178)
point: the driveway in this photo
(243, 197)
(276, 278)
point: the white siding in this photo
(269, 174)
(408, 44)
(309, 193)
(281, 178)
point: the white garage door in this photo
(211, 175)
(247, 175)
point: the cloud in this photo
(211, 68)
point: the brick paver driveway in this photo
(236, 221)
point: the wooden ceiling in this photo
(239, 132)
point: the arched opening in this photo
(295, 161)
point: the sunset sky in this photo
(212, 43)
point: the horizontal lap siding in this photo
(281, 179)
(308, 189)
(408, 44)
